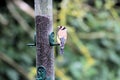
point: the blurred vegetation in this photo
(92, 51)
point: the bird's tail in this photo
(61, 51)
(62, 45)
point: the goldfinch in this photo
(61, 37)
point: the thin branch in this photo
(19, 18)
(3, 20)
(98, 35)
(24, 7)
(13, 64)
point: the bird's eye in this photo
(60, 27)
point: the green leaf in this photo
(12, 74)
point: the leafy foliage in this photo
(93, 33)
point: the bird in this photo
(61, 37)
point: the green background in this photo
(92, 51)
